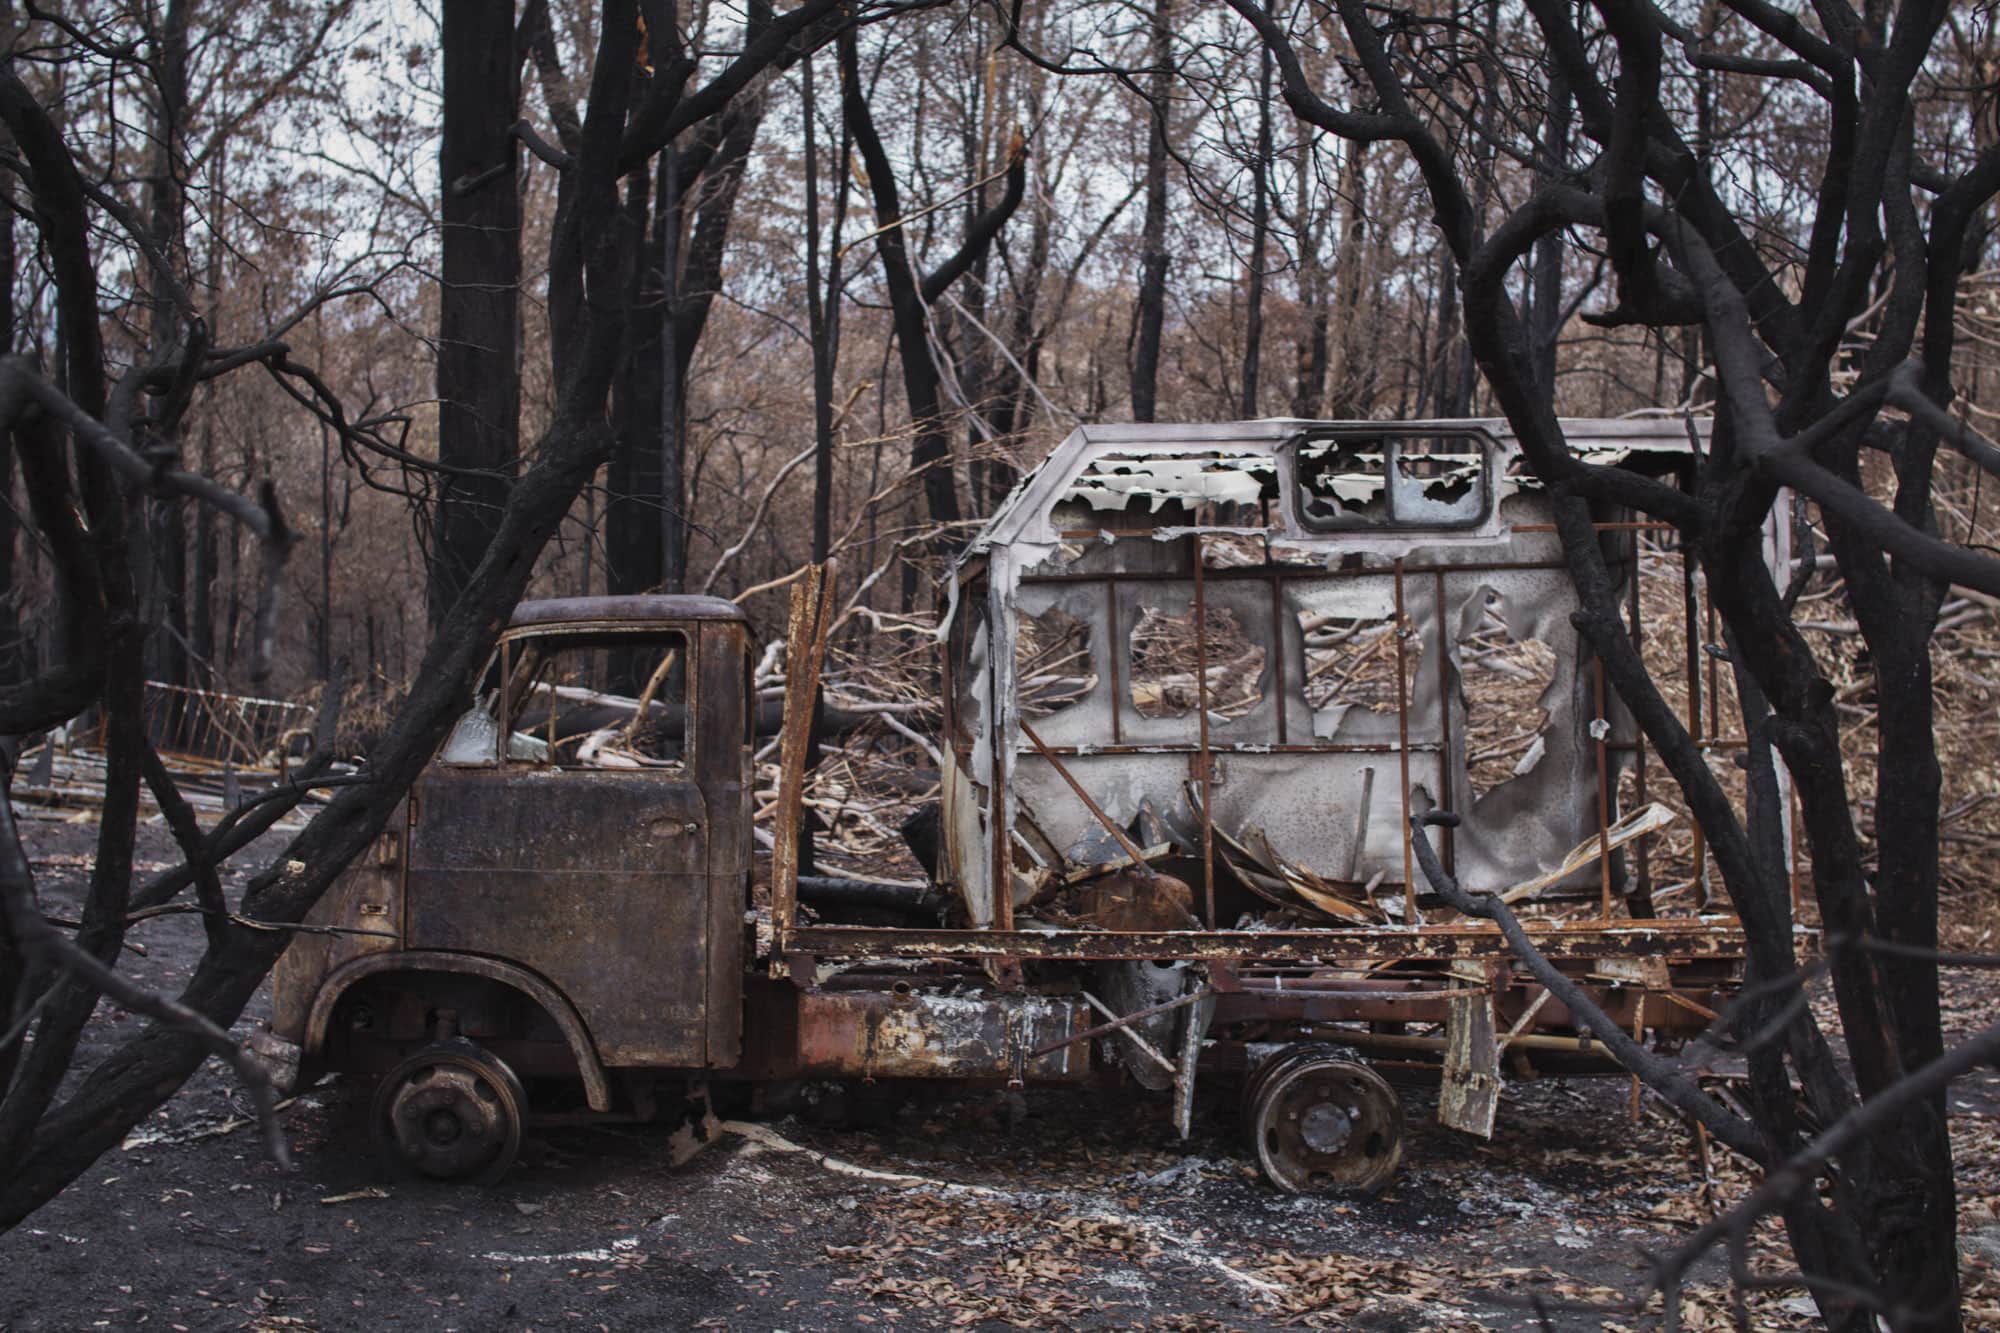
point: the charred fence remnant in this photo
(1197, 683)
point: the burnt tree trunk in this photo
(911, 296)
(161, 554)
(13, 670)
(823, 288)
(1151, 315)
(1353, 391)
(478, 376)
(636, 500)
(1313, 349)
(1260, 236)
(1545, 281)
(685, 213)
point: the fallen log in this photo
(836, 891)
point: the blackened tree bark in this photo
(824, 286)
(201, 590)
(478, 371)
(1544, 314)
(636, 496)
(1354, 369)
(161, 558)
(1883, 248)
(972, 350)
(1260, 239)
(911, 295)
(1313, 352)
(685, 210)
(1151, 315)
(52, 1125)
(12, 669)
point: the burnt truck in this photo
(1196, 682)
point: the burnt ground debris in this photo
(1087, 1212)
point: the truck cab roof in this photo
(634, 611)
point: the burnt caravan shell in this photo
(1407, 532)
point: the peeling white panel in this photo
(1517, 830)
(1368, 599)
(1114, 481)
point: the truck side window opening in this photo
(1435, 481)
(555, 719)
(475, 738)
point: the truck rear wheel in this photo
(1323, 1122)
(451, 1111)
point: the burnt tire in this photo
(451, 1111)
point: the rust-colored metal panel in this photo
(1670, 938)
(905, 1033)
(723, 770)
(367, 896)
(596, 880)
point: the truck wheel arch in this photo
(596, 1085)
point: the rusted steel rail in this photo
(1673, 938)
(1117, 1024)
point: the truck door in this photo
(567, 832)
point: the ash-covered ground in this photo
(949, 1210)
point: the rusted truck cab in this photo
(562, 895)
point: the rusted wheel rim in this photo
(1324, 1126)
(453, 1111)
(1274, 1067)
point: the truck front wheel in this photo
(451, 1111)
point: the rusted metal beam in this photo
(1172, 747)
(1671, 938)
(1118, 835)
(1623, 525)
(1280, 645)
(1662, 1010)
(1449, 837)
(1403, 745)
(1114, 653)
(912, 1033)
(1600, 731)
(1116, 1024)
(1206, 773)
(1691, 644)
(1257, 573)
